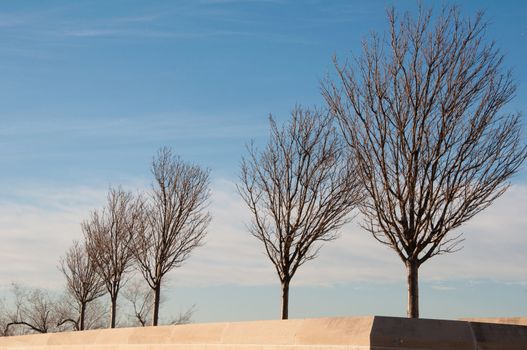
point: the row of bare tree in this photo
(422, 147)
(40, 311)
(35, 310)
(412, 137)
(151, 233)
(147, 234)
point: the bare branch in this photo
(299, 190)
(83, 282)
(175, 219)
(110, 235)
(141, 297)
(421, 112)
(35, 311)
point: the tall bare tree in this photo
(299, 190)
(421, 111)
(109, 236)
(176, 219)
(83, 282)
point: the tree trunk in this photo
(157, 294)
(285, 299)
(113, 311)
(412, 269)
(82, 316)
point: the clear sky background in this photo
(90, 90)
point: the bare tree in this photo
(299, 190)
(83, 282)
(176, 219)
(141, 298)
(420, 110)
(184, 317)
(36, 311)
(109, 236)
(5, 314)
(70, 310)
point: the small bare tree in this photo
(5, 314)
(141, 298)
(184, 317)
(69, 310)
(83, 282)
(109, 236)
(36, 311)
(420, 111)
(176, 219)
(299, 190)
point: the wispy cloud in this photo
(185, 21)
(12, 20)
(37, 230)
(147, 127)
(239, 1)
(442, 287)
(233, 256)
(138, 19)
(147, 33)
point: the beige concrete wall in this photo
(313, 334)
(520, 321)
(355, 333)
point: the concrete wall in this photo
(379, 333)
(520, 321)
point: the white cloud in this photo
(493, 249)
(179, 124)
(13, 19)
(37, 225)
(230, 255)
(494, 246)
(146, 33)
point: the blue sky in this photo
(90, 90)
